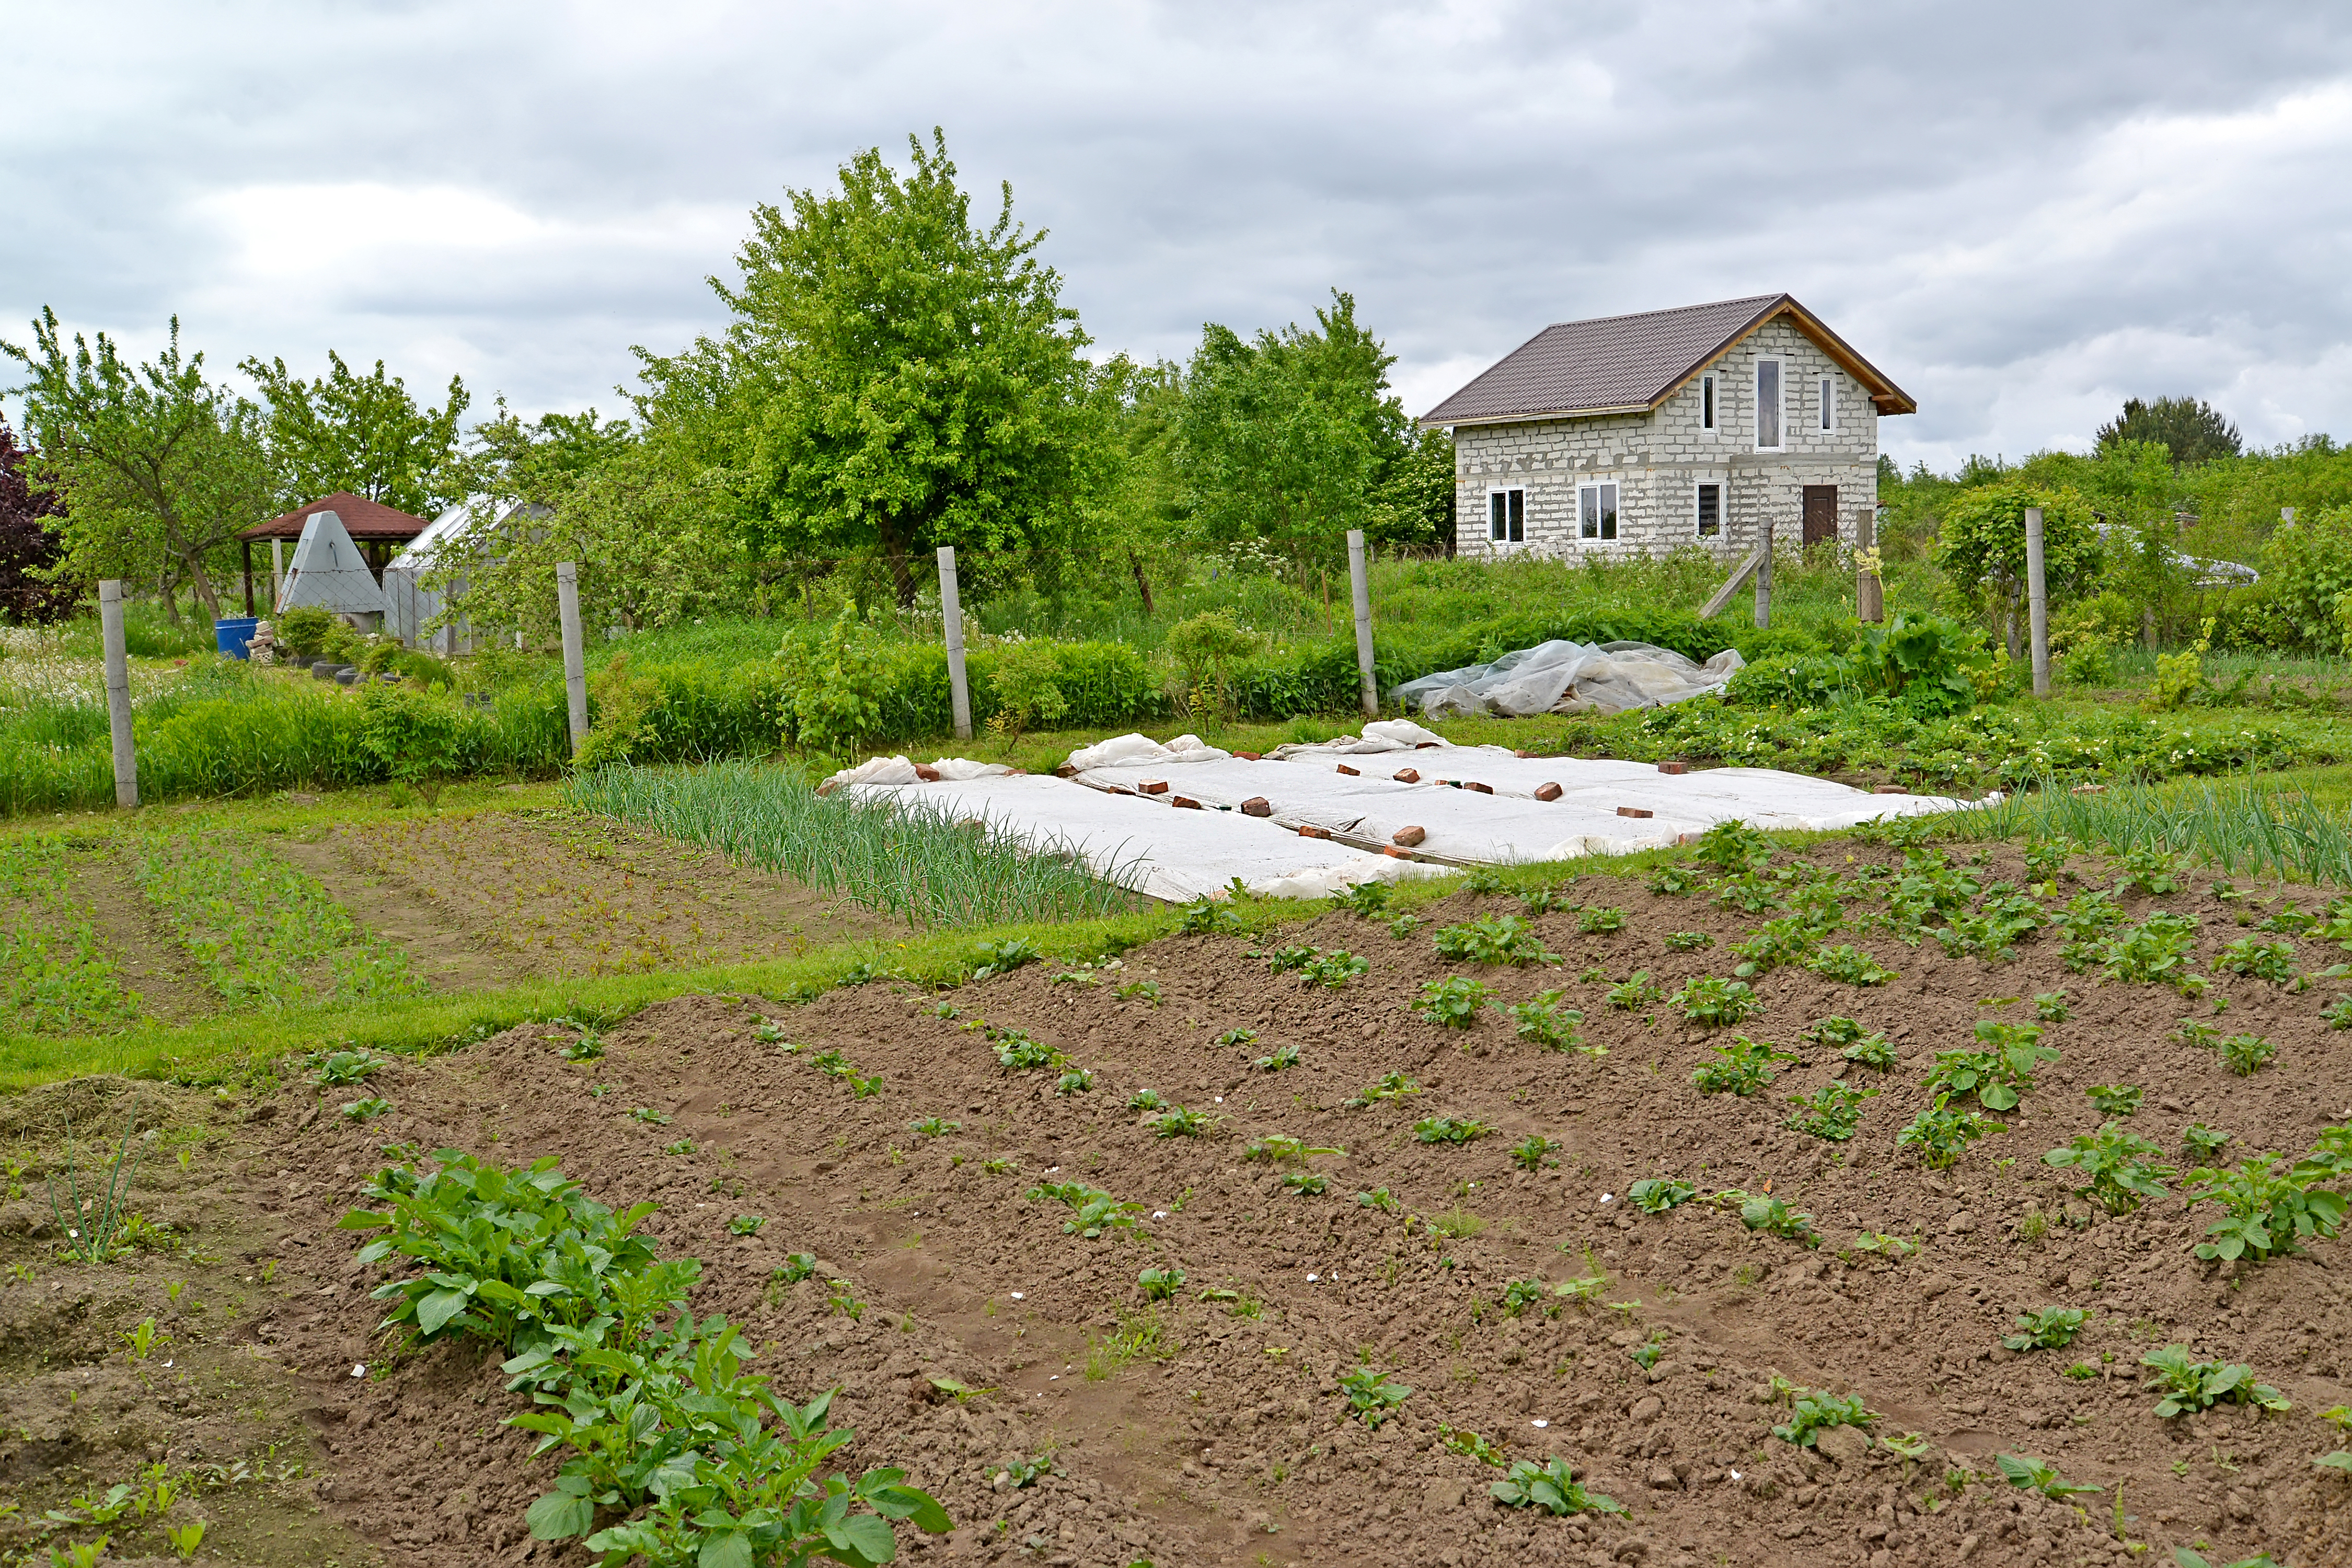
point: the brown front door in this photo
(1820, 513)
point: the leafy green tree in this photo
(512, 460)
(896, 377)
(2191, 429)
(158, 469)
(1139, 518)
(1412, 503)
(654, 542)
(1285, 438)
(1982, 545)
(363, 434)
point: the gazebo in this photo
(380, 531)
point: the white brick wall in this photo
(1658, 460)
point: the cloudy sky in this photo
(2023, 212)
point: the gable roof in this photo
(1629, 364)
(360, 518)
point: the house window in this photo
(1710, 512)
(1507, 517)
(1767, 405)
(1706, 403)
(1828, 403)
(1596, 512)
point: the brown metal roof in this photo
(360, 518)
(1633, 363)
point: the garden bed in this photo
(913, 1195)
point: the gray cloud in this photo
(2023, 212)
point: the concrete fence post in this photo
(1764, 583)
(2037, 602)
(1360, 584)
(952, 620)
(118, 693)
(575, 660)
(1869, 592)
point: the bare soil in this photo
(1210, 1430)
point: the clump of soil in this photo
(1209, 1428)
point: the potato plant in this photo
(2119, 1168)
(2114, 1099)
(1545, 1022)
(1772, 1215)
(1940, 1135)
(2184, 1386)
(1713, 1003)
(1850, 965)
(1454, 1002)
(1633, 994)
(1814, 1411)
(1656, 1194)
(1551, 1487)
(1372, 1398)
(2258, 959)
(2029, 1474)
(1391, 1086)
(1832, 1112)
(1449, 1130)
(2262, 1215)
(1492, 939)
(1741, 1067)
(2047, 1328)
(2246, 1054)
(1998, 1076)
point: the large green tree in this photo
(1286, 438)
(157, 468)
(1981, 547)
(363, 434)
(2190, 428)
(896, 376)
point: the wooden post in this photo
(1360, 583)
(2037, 602)
(575, 662)
(951, 619)
(118, 693)
(248, 547)
(1764, 583)
(1869, 593)
(277, 572)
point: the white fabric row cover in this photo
(1502, 823)
(1177, 856)
(1571, 677)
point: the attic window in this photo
(1828, 403)
(1706, 403)
(1507, 517)
(1767, 405)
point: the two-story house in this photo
(1669, 428)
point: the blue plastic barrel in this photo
(232, 635)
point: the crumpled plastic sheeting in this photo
(1177, 856)
(899, 771)
(1571, 677)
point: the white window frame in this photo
(1709, 409)
(1698, 516)
(1503, 539)
(1828, 413)
(1615, 515)
(1781, 401)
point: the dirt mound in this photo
(98, 1109)
(1210, 1428)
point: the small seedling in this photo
(1534, 1151)
(2263, 1214)
(347, 1066)
(2052, 1007)
(1633, 996)
(1495, 940)
(1471, 1444)
(1306, 1184)
(1238, 1039)
(186, 1539)
(1551, 1487)
(1379, 1199)
(1001, 1166)
(1281, 1148)
(1832, 1112)
(2047, 1328)
(2114, 1099)
(1713, 1003)
(934, 1127)
(1160, 1284)
(2258, 959)
(1741, 1067)
(1656, 1194)
(1147, 992)
(2029, 1474)
(2119, 1168)
(1391, 1086)
(2187, 1387)
(1074, 1080)
(1814, 1411)
(2202, 1142)
(1545, 1022)
(2243, 1054)
(1941, 1135)
(1372, 1399)
(1774, 1216)
(1278, 1059)
(1880, 1244)
(1850, 965)
(746, 1225)
(682, 1146)
(1178, 1122)
(1688, 941)
(366, 1109)
(1449, 1130)
(1454, 1002)
(1599, 922)
(650, 1117)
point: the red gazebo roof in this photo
(360, 518)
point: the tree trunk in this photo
(1143, 585)
(894, 551)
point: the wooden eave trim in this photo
(1884, 395)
